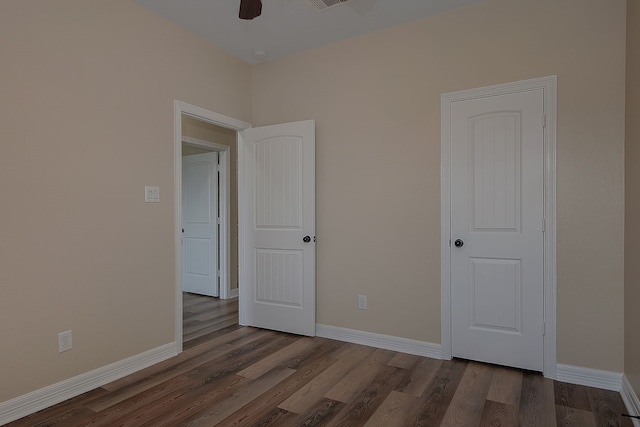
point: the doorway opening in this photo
(212, 139)
(275, 219)
(209, 209)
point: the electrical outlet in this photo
(65, 341)
(362, 302)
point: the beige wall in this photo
(208, 132)
(86, 100)
(376, 101)
(632, 202)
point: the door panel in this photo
(496, 282)
(199, 219)
(497, 210)
(279, 175)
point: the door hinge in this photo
(449, 242)
(219, 273)
(219, 221)
(544, 329)
(544, 224)
(544, 120)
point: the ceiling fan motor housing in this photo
(250, 9)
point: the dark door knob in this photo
(459, 243)
(306, 239)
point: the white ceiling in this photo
(288, 26)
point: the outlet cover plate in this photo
(65, 341)
(362, 302)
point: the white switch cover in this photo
(151, 194)
(362, 302)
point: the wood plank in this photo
(265, 365)
(537, 401)
(361, 408)
(495, 414)
(421, 375)
(201, 361)
(189, 300)
(66, 410)
(607, 407)
(435, 400)
(192, 325)
(346, 358)
(275, 417)
(140, 406)
(572, 396)
(213, 327)
(320, 413)
(240, 357)
(506, 386)
(205, 313)
(203, 339)
(393, 410)
(403, 360)
(323, 346)
(468, 401)
(216, 380)
(261, 409)
(212, 415)
(567, 416)
(205, 389)
(187, 359)
(191, 402)
(358, 378)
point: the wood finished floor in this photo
(239, 376)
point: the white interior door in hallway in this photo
(279, 218)
(497, 229)
(200, 224)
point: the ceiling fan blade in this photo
(249, 9)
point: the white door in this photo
(279, 203)
(200, 224)
(497, 215)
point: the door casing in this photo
(549, 86)
(180, 109)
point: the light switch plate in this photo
(362, 302)
(151, 194)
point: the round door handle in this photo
(458, 243)
(306, 239)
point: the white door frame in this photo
(182, 108)
(549, 86)
(224, 203)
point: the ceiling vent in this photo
(321, 5)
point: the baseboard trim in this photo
(590, 377)
(233, 293)
(630, 399)
(29, 403)
(388, 342)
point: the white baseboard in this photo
(233, 293)
(388, 342)
(630, 399)
(590, 377)
(35, 401)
